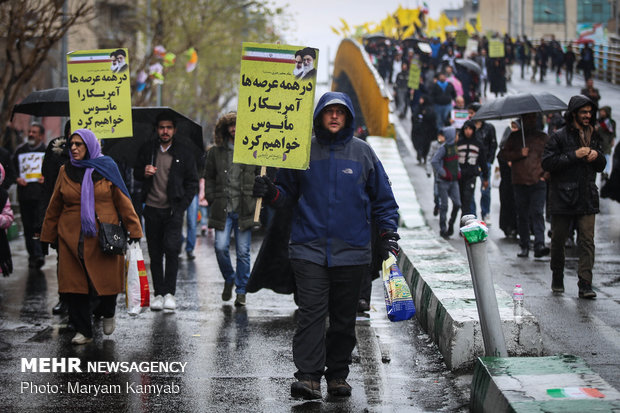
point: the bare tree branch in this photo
(30, 29)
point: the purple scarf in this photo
(106, 167)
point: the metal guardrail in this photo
(606, 60)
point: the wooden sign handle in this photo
(259, 201)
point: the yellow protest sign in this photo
(276, 103)
(414, 75)
(496, 48)
(99, 92)
(461, 38)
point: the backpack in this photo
(451, 163)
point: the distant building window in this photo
(549, 11)
(593, 11)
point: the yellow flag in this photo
(415, 17)
(406, 17)
(478, 24)
(409, 32)
(388, 24)
(470, 29)
(444, 21)
(345, 26)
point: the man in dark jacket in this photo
(573, 156)
(168, 171)
(334, 202)
(472, 161)
(485, 132)
(31, 194)
(442, 93)
(530, 189)
(228, 189)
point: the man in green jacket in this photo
(228, 189)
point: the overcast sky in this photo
(312, 20)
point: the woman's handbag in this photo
(112, 238)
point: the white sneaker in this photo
(80, 338)
(158, 303)
(487, 219)
(109, 324)
(169, 302)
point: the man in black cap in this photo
(573, 155)
(308, 56)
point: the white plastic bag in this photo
(136, 280)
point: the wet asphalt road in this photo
(238, 359)
(586, 328)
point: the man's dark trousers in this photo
(323, 290)
(163, 237)
(530, 203)
(560, 229)
(30, 211)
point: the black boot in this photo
(60, 308)
(557, 282)
(585, 289)
(453, 216)
(525, 251)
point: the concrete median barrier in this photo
(440, 281)
(543, 384)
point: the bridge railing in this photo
(606, 61)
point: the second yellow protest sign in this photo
(99, 92)
(496, 48)
(414, 75)
(276, 102)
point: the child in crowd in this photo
(446, 166)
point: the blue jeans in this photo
(192, 218)
(243, 239)
(607, 169)
(204, 215)
(447, 189)
(485, 196)
(443, 113)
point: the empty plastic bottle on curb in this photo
(517, 302)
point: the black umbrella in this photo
(517, 105)
(469, 65)
(47, 102)
(144, 129)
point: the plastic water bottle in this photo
(517, 302)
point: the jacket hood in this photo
(469, 124)
(607, 109)
(221, 127)
(577, 102)
(333, 98)
(450, 133)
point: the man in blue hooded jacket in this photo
(334, 202)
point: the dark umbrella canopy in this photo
(125, 150)
(469, 65)
(417, 45)
(46, 102)
(515, 105)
